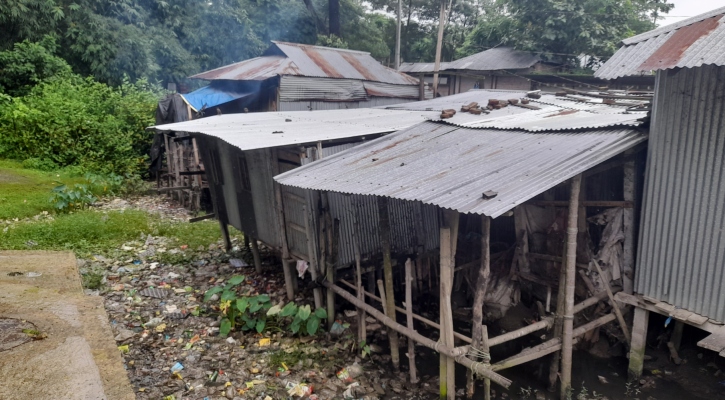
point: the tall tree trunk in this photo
(439, 45)
(334, 11)
(311, 9)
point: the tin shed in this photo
(680, 270)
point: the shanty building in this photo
(496, 68)
(680, 255)
(506, 68)
(507, 193)
(286, 77)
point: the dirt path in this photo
(78, 359)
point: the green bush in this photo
(41, 164)
(72, 121)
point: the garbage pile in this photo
(171, 342)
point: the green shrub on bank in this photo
(73, 121)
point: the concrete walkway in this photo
(79, 358)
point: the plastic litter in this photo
(176, 368)
(302, 267)
(33, 274)
(237, 263)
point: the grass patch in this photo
(26, 192)
(92, 232)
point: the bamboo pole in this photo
(424, 341)
(448, 240)
(615, 306)
(384, 226)
(409, 319)
(497, 340)
(551, 345)
(361, 328)
(477, 335)
(316, 292)
(568, 322)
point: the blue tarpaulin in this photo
(211, 96)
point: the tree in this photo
(564, 30)
(28, 64)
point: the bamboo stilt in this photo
(409, 318)
(615, 306)
(477, 334)
(568, 323)
(422, 340)
(384, 226)
(448, 240)
(314, 265)
(361, 328)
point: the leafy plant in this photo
(257, 312)
(77, 197)
(364, 349)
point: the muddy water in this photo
(587, 369)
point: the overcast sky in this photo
(689, 8)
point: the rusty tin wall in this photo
(682, 243)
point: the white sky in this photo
(689, 8)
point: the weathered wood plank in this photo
(714, 342)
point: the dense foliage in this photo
(69, 120)
(168, 40)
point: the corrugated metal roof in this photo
(498, 58)
(254, 69)
(555, 113)
(313, 61)
(481, 96)
(690, 43)
(417, 68)
(682, 245)
(451, 167)
(556, 119)
(272, 129)
(495, 59)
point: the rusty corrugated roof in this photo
(690, 43)
(311, 61)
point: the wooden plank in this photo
(714, 342)
(696, 319)
(681, 314)
(189, 173)
(668, 308)
(409, 318)
(385, 244)
(615, 306)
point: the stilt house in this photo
(680, 271)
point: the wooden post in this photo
(568, 322)
(448, 240)
(629, 228)
(333, 231)
(485, 349)
(384, 226)
(316, 292)
(638, 343)
(255, 254)
(477, 334)
(409, 318)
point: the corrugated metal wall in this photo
(682, 244)
(409, 220)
